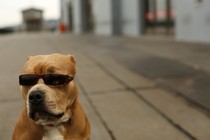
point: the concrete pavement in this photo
(122, 99)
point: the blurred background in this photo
(143, 65)
(183, 20)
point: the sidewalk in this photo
(129, 106)
(124, 103)
(121, 84)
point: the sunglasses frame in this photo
(68, 79)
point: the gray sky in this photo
(10, 10)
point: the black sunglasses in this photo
(49, 79)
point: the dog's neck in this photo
(52, 133)
(57, 131)
(69, 122)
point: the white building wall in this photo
(64, 11)
(77, 16)
(102, 14)
(130, 17)
(193, 20)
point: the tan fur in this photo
(74, 123)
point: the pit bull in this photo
(51, 108)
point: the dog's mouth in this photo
(44, 115)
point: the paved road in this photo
(130, 88)
(183, 67)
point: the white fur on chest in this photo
(52, 133)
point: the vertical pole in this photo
(61, 10)
(70, 16)
(116, 17)
(154, 15)
(143, 9)
(168, 16)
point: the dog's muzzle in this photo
(37, 108)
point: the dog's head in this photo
(48, 88)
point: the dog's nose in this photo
(36, 97)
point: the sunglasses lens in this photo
(55, 80)
(27, 80)
(49, 79)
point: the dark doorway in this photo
(34, 25)
(70, 26)
(159, 16)
(87, 16)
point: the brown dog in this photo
(52, 110)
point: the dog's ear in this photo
(29, 58)
(72, 58)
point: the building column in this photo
(102, 13)
(132, 22)
(64, 12)
(77, 16)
